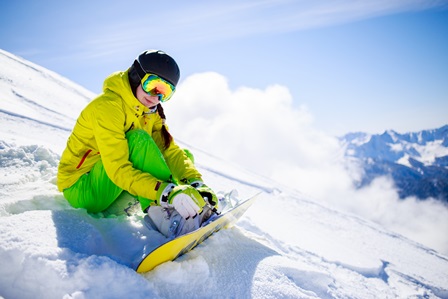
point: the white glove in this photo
(185, 199)
(185, 205)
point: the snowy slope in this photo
(286, 245)
(30, 94)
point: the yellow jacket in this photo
(99, 133)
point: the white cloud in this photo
(423, 221)
(259, 127)
(263, 131)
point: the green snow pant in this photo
(95, 192)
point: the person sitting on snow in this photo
(120, 142)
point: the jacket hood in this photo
(118, 83)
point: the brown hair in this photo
(167, 138)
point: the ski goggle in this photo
(156, 86)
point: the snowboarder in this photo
(120, 142)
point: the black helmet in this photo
(154, 62)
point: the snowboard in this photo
(175, 248)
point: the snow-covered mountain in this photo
(285, 246)
(417, 162)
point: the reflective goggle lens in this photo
(156, 86)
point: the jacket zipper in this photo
(83, 159)
(130, 128)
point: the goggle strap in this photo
(141, 73)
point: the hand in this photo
(185, 199)
(207, 193)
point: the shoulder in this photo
(105, 109)
(107, 101)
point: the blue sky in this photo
(365, 65)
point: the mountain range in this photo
(417, 162)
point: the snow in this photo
(423, 149)
(426, 153)
(285, 246)
(431, 151)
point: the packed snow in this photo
(285, 246)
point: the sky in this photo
(352, 65)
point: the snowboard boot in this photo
(171, 224)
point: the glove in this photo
(184, 199)
(207, 193)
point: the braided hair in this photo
(167, 138)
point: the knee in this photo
(138, 138)
(136, 135)
(189, 154)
